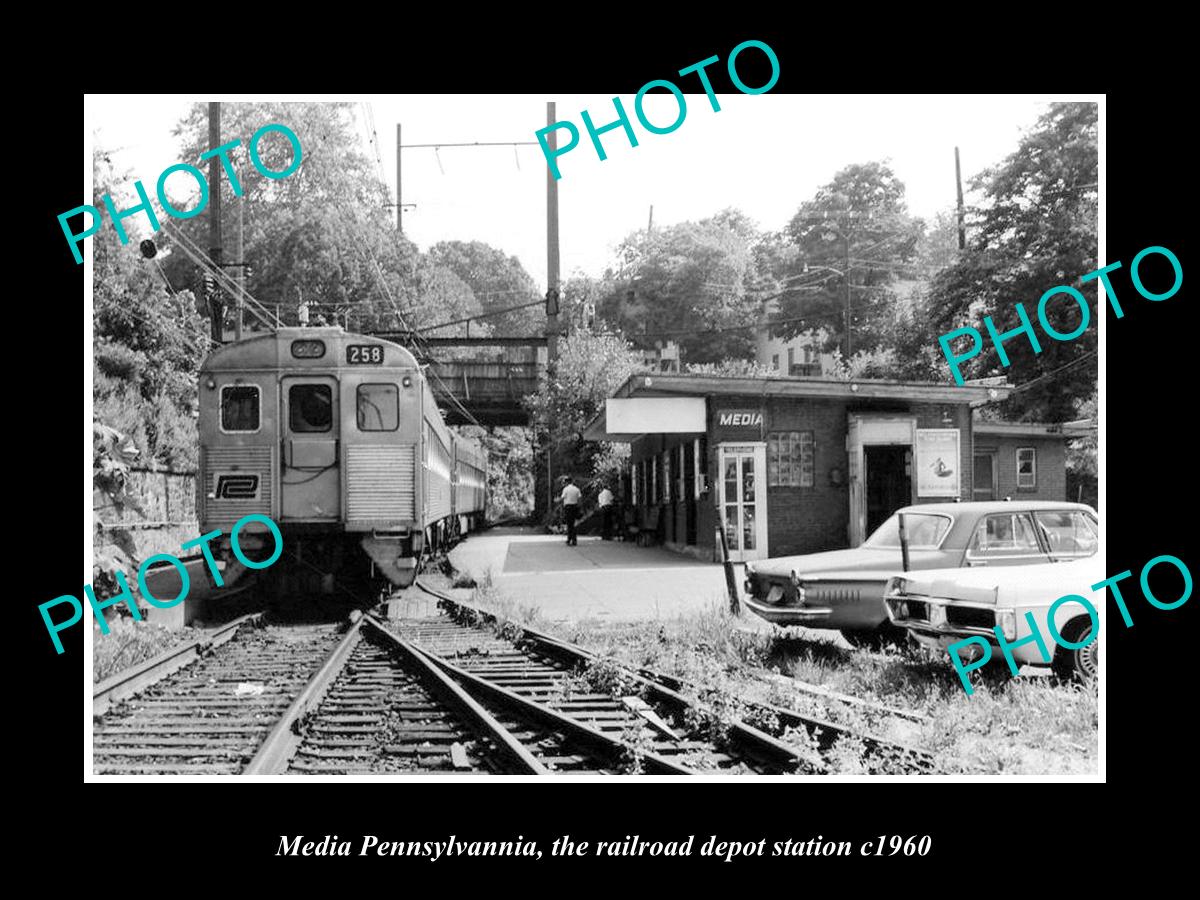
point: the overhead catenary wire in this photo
(1026, 385)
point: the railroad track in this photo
(433, 693)
(542, 661)
(259, 699)
(204, 708)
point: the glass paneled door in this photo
(743, 500)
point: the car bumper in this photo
(817, 617)
(940, 634)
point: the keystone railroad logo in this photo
(740, 418)
(236, 487)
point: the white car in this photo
(942, 607)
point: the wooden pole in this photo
(962, 226)
(735, 604)
(216, 307)
(552, 262)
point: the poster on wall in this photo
(937, 462)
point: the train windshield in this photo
(311, 407)
(239, 407)
(378, 407)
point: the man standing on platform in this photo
(606, 512)
(570, 502)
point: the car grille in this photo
(918, 609)
(970, 617)
(825, 595)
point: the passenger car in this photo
(844, 588)
(943, 606)
(337, 438)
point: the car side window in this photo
(1004, 534)
(1070, 533)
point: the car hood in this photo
(858, 564)
(1008, 583)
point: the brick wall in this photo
(1051, 466)
(803, 519)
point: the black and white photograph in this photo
(467, 436)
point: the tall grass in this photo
(1029, 725)
(130, 642)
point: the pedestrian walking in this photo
(606, 512)
(570, 501)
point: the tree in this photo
(321, 236)
(510, 469)
(690, 282)
(498, 281)
(1036, 230)
(148, 345)
(589, 368)
(853, 237)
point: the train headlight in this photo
(406, 381)
(211, 384)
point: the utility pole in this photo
(846, 282)
(216, 307)
(399, 200)
(241, 255)
(962, 227)
(551, 246)
(650, 224)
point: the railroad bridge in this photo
(484, 378)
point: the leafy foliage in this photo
(1036, 230)
(497, 281)
(853, 237)
(696, 277)
(148, 346)
(590, 367)
(510, 469)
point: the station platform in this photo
(607, 580)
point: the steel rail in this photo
(136, 678)
(281, 743)
(573, 728)
(516, 752)
(665, 689)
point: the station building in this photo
(800, 465)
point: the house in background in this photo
(662, 357)
(799, 355)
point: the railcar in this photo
(337, 438)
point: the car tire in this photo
(1082, 665)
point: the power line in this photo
(1028, 384)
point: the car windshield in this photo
(923, 531)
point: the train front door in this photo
(309, 481)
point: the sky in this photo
(764, 154)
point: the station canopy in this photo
(676, 404)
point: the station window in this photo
(310, 408)
(239, 407)
(1026, 467)
(790, 459)
(378, 407)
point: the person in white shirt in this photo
(570, 501)
(606, 512)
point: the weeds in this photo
(129, 643)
